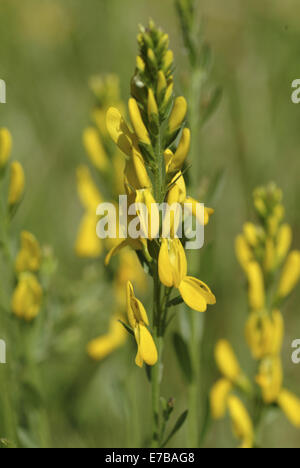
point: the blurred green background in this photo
(48, 50)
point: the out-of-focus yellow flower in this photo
(290, 275)
(17, 183)
(270, 378)
(95, 149)
(227, 361)
(168, 59)
(178, 114)
(88, 243)
(103, 346)
(256, 286)
(27, 297)
(5, 146)
(290, 405)
(264, 334)
(284, 241)
(29, 256)
(138, 320)
(137, 122)
(208, 212)
(219, 398)
(88, 192)
(243, 252)
(172, 268)
(270, 255)
(250, 233)
(161, 83)
(242, 424)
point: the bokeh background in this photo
(48, 51)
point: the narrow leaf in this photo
(179, 423)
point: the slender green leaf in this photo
(178, 425)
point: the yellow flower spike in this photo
(137, 122)
(290, 275)
(284, 241)
(17, 183)
(168, 59)
(118, 130)
(242, 424)
(256, 286)
(243, 251)
(103, 346)
(152, 105)
(178, 114)
(270, 255)
(87, 190)
(88, 244)
(148, 214)
(250, 234)
(196, 294)
(140, 64)
(29, 257)
(5, 146)
(181, 152)
(270, 378)
(138, 320)
(172, 263)
(219, 398)
(161, 83)
(290, 405)
(227, 361)
(27, 297)
(95, 149)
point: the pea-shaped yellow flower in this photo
(101, 347)
(138, 320)
(5, 146)
(29, 257)
(17, 183)
(242, 424)
(27, 297)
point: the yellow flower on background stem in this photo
(95, 149)
(241, 422)
(284, 241)
(138, 320)
(256, 286)
(27, 297)
(250, 233)
(172, 268)
(219, 398)
(88, 244)
(264, 333)
(5, 146)
(290, 275)
(243, 252)
(270, 378)
(29, 257)
(101, 347)
(290, 405)
(17, 183)
(227, 361)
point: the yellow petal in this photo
(118, 130)
(290, 275)
(137, 122)
(95, 149)
(243, 252)
(164, 265)
(5, 146)
(17, 184)
(152, 105)
(270, 378)
(29, 257)
(178, 114)
(256, 286)
(135, 310)
(181, 152)
(284, 241)
(146, 347)
(196, 209)
(290, 405)
(250, 233)
(227, 361)
(219, 397)
(161, 82)
(196, 294)
(242, 424)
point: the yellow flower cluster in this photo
(272, 273)
(155, 146)
(109, 166)
(17, 178)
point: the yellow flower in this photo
(172, 268)
(137, 122)
(5, 146)
(290, 274)
(17, 183)
(101, 347)
(161, 83)
(95, 149)
(136, 176)
(152, 105)
(88, 192)
(178, 114)
(256, 286)
(284, 241)
(242, 424)
(290, 405)
(243, 251)
(148, 213)
(208, 212)
(219, 398)
(140, 64)
(88, 243)
(168, 59)
(29, 257)
(227, 361)
(250, 233)
(264, 334)
(27, 297)
(177, 160)
(270, 378)
(138, 320)
(119, 131)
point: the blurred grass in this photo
(48, 50)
